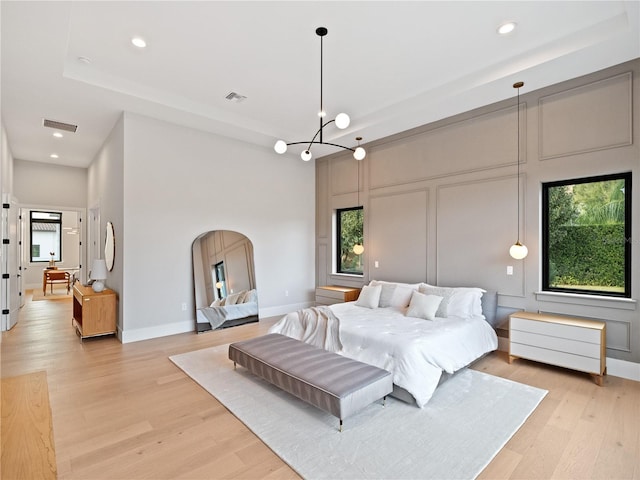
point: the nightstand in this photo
(575, 343)
(330, 294)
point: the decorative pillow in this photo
(233, 298)
(369, 296)
(444, 292)
(251, 296)
(423, 306)
(386, 294)
(216, 302)
(400, 293)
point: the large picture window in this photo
(349, 230)
(587, 235)
(46, 236)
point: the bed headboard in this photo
(489, 302)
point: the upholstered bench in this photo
(336, 384)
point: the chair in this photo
(56, 276)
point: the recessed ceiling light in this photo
(57, 135)
(506, 28)
(139, 42)
(54, 155)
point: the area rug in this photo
(59, 293)
(455, 436)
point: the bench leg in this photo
(341, 425)
(384, 401)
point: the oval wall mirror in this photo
(110, 246)
(224, 280)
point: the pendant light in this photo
(342, 121)
(358, 154)
(518, 250)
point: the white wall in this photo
(180, 183)
(105, 190)
(42, 184)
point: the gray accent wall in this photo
(440, 201)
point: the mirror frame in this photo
(110, 246)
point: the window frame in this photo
(58, 256)
(339, 211)
(627, 177)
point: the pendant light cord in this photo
(518, 147)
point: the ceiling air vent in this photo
(235, 97)
(59, 125)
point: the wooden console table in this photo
(94, 313)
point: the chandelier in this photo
(342, 121)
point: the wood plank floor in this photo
(28, 450)
(126, 412)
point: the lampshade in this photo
(98, 274)
(358, 249)
(218, 285)
(518, 251)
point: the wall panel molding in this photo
(439, 153)
(588, 118)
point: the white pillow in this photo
(466, 302)
(423, 306)
(251, 296)
(233, 298)
(444, 292)
(369, 296)
(216, 302)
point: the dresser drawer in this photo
(559, 330)
(558, 358)
(576, 347)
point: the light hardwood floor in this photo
(126, 412)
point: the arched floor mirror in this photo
(224, 280)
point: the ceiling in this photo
(390, 65)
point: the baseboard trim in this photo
(147, 333)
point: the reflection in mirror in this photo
(109, 246)
(224, 280)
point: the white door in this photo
(11, 274)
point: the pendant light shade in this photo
(518, 251)
(341, 121)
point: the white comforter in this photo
(216, 316)
(414, 350)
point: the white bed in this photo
(415, 350)
(222, 311)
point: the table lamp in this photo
(98, 274)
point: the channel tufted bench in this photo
(336, 384)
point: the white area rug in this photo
(456, 435)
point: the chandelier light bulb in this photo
(358, 249)
(306, 155)
(280, 146)
(518, 251)
(359, 153)
(342, 121)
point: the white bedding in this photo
(414, 350)
(216, 316)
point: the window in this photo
(46, 236)
(587, 235)
(349, 230)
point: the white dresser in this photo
(568, 342)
